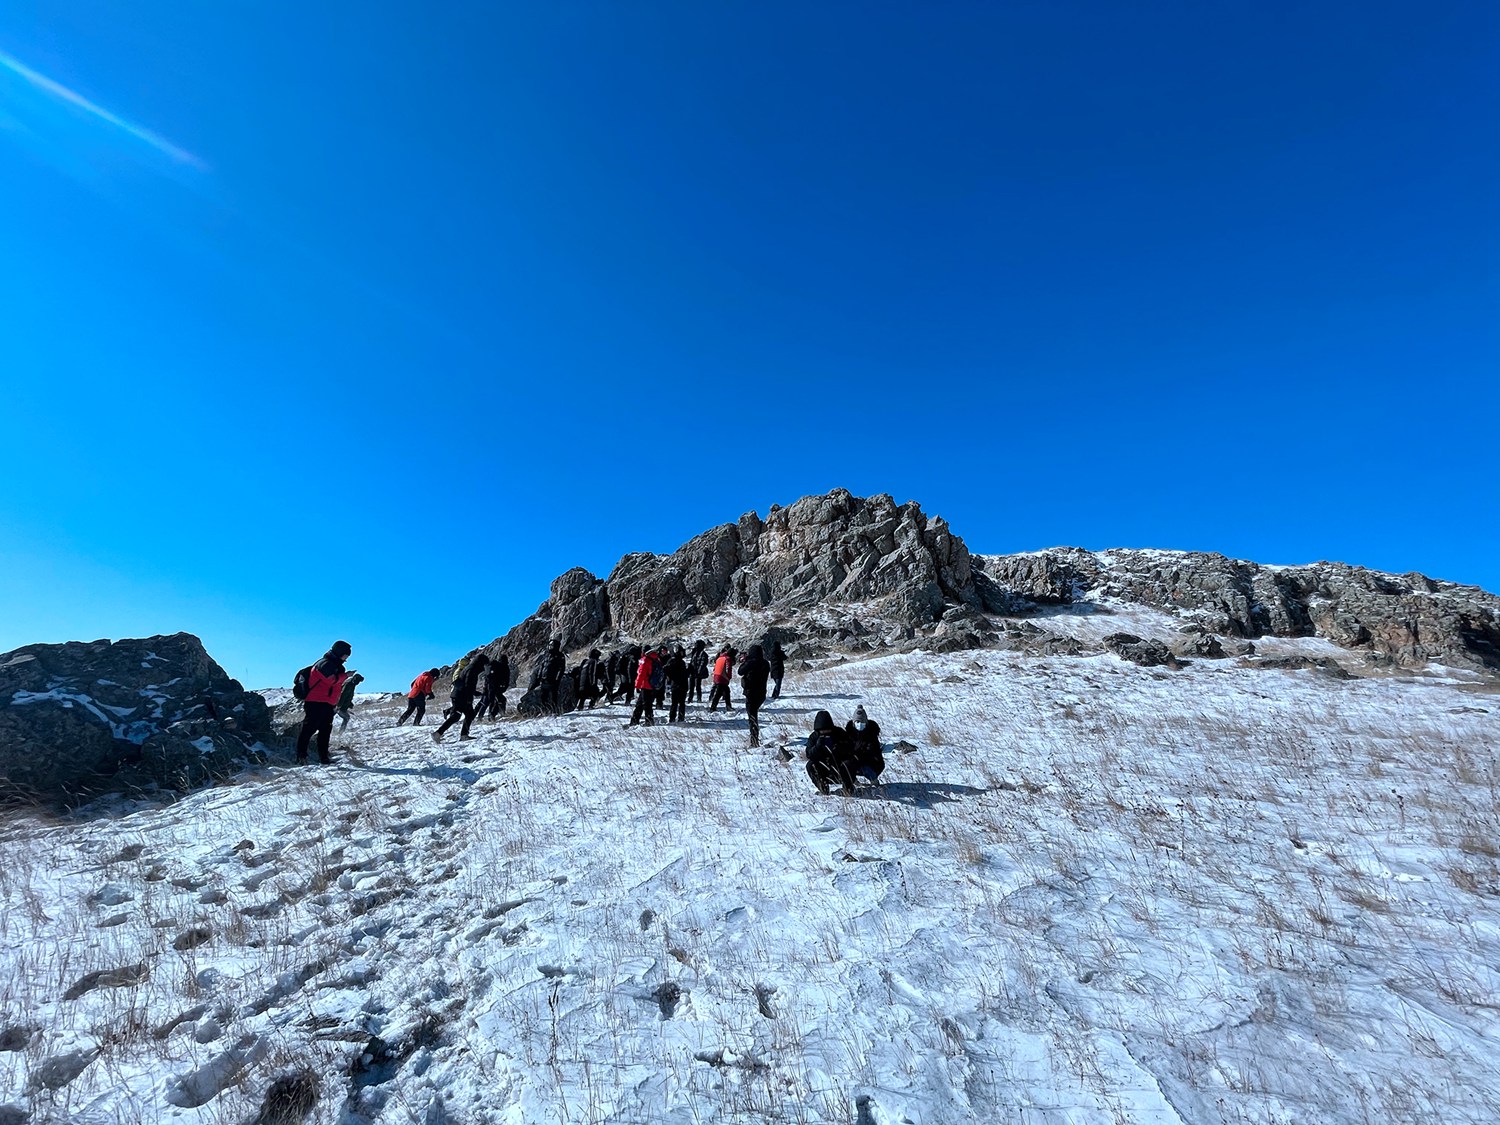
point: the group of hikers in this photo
(649, 676)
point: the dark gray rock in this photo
(1146, 652)
(80, 719)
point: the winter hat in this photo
(859, 714)
(823, 721)
(341, 649)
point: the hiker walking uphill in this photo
(777, 659)
(723, 669)
(549, 672)
(324, 685)
(648, 670)
(416, 699)
(346, 698)
(464, 690)
(496, 681)
(754, 671)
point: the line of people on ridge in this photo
(327, 688)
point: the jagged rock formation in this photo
(80, 718)
(838, 548)
(1408, 620)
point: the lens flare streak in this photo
(77, 100)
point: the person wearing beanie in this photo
(864, 745)
(677, 684)
(754, 672)
(828, 757)
(325, 686)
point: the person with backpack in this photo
(778, 668)
(647, 670)
(866, 756)
(346, 699)
(697, 670)
(464, 690)
(723, 669)
(549, 674)
(416, 699)
(677, 684)
(496, 681)
(589, 675)
(324, 685)
(828, 755)
(754, 671)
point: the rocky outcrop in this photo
(896, 563)
(80, 718)
(1408, 620)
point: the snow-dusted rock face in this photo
(891, 559)
(80, 717)
(1409, 620)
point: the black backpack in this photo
(302, 683)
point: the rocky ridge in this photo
(858, 573)
(84, 717)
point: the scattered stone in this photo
(108, 978)
(192, 938)
(1138, 650)
(57, 1071)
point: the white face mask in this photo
(860, 725)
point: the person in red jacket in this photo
(644, 688)
(324, 686)
(417, 697)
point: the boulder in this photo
(79, 719)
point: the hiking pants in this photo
(317, 720)
(414, 704)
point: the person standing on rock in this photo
(346, 698)
(777, 660)
(723, 669)
(325, 686)
(865, 753)
(754, 671)
(464, 690)
(417, 697)
(647, 670)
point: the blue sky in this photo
(367, 320)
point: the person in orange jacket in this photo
(417, 697)
(325, 684)
(723, 672)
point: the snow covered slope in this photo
(1091, 892)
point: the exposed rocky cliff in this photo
(1408, 620)
(900, 566)
(81, 718)
(843, 571)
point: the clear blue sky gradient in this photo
(367, 320)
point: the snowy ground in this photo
(1092, 892)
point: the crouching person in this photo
(863, 733)
(828, 755)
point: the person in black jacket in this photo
(864, 746)
(697, 670)
(496, 682)
(828, 756)
(464, 690)
(754, 671)
(589, 675)
(778, 668)
(677, 684)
